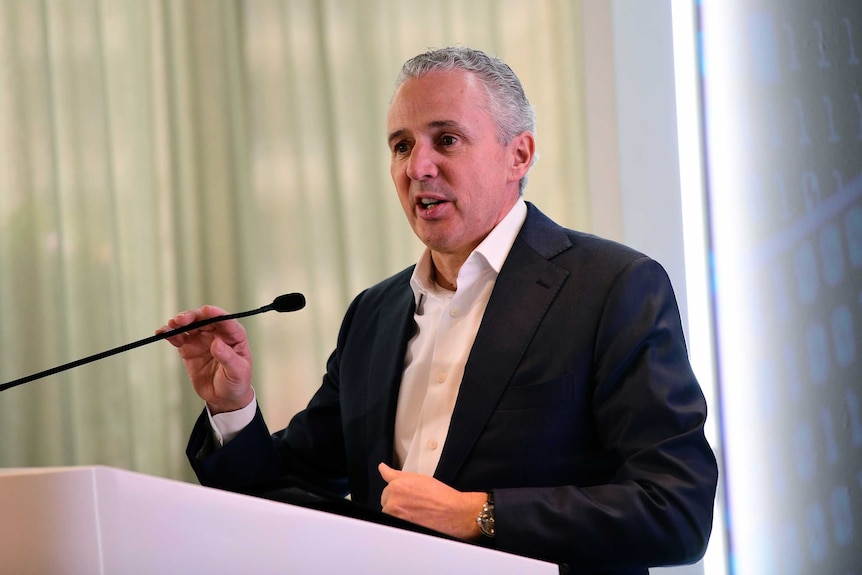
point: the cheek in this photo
(398, 172)
(402, 189)
(397, 176)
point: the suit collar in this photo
(543, 235)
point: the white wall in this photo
(632, 137)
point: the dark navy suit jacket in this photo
(578, 408)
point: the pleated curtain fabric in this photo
(156, 155)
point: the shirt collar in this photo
(494, 249)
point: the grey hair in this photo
(510, 108)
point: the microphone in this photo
(283, 303)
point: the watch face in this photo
(486, 519)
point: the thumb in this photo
(387, 473)
(225, 355)
(221, 351)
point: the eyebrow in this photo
(435, 124)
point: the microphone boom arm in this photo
(287, 302)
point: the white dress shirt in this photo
(447, 323)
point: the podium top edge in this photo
(53, 470)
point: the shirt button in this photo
(441, 377)
(432, 444)
(454, 312)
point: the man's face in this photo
(454, 179)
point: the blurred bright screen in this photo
(783, 120)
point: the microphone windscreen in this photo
(288, 302)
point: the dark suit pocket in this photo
(538, 394)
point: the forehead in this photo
(438, 97)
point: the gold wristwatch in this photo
(485, 520)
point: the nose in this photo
(422, 163)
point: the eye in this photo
(448, 140)
(401, 148)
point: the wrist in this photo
(485, 519)
(230, 404)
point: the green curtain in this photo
(156, 155)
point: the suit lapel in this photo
(524, 290)
(387, 363)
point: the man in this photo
(523, 385)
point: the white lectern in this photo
(99, 520)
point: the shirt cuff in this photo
(227, 425)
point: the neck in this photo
(446, 265)
(444, 270)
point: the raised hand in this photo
(217, 358)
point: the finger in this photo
(231, 331)
(182, 319)
(179, 320)
(387, 473)
(176, 341)
(187, 317)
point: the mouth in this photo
(428, 203)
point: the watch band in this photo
(485, 519)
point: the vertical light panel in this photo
(696, 243)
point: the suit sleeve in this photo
(310, 450)
(656, 506)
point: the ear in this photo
(523, 151)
